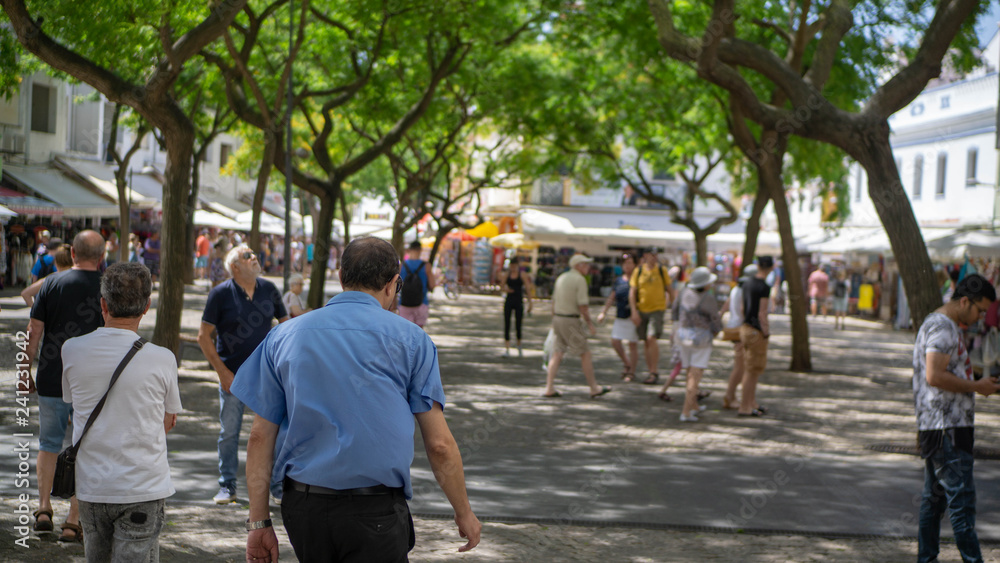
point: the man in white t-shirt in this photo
(122, 475)
(944, 400)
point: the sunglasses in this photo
(399, 285)
(247, 255)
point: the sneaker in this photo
(520, 352)
(276, 501)
(689, 418)
(506, 353)
(225, 496)
(702, 407)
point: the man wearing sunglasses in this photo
(240, 311)
(944, 391)
(345, 384)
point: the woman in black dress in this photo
(515, 285)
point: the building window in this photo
(225, 151)
(942, 167)
(43, 109)
(971, 159)
(918, 175)
(945, 102)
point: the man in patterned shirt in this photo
(944, 399)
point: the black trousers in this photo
(518, 309)
(348, 528)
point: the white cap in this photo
(579, 259)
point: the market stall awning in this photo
(74, 198)
(870, 240)
(269, 224)
(484, 230)
(5, 212)
(102, 177)
(28, 205)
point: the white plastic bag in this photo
(991, 348)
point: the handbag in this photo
(64, 481)
(731, 334)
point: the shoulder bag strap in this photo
(136, 346)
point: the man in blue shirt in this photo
(239, 310)
(46, 262)
(344, 384)
(417, 310)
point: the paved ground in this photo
(614, 479)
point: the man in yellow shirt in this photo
(648, 297)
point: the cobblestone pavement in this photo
(858, 395)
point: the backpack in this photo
(840, 289)
(638, 289)
(412, 292)
(46, 267)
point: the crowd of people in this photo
(331, 443)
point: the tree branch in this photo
(907, 84)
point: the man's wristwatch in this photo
(258, 524)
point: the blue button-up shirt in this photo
(343, 382)
(242, 322)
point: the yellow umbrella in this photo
(484, 230)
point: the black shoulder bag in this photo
(64, 483)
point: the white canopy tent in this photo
(5, 213)
(547, 229)
(975, 244)
(203, 218)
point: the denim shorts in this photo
(53, 414)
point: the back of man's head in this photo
(126, 288)
(976, 288)
(88, 246)
(368, 263)
(415, 247)
(764, 263)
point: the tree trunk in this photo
(124, 215)
(397, 233)
(263, 174)
(770, 172)
(322, 229)
(896, 213)
(173, 251)
(753, 223)
(189, 235)
(441, 234)
(700, 247)
(345, 216)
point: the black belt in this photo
(361, 491)
(570, 316)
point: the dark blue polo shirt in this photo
(241, 322)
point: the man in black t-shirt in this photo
(67, 305)
(754, 335)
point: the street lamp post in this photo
(287, 269)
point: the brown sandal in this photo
(628, 375)
(77, 533)
(653, 379)
(43, 526)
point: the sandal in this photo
(43, 525)
(552, 395)
(730, 404)
(755, 412)
(77, 535)
(653, 379)
(761, 409)
(628, 374)
(603, 391)
(664, 397)
(703, 394)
